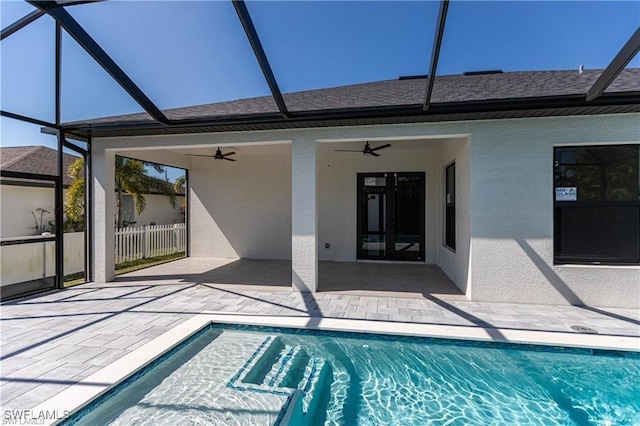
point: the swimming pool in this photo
(251, 375)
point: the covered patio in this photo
(306, 207)
(404, 280)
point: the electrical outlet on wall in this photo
(327, 245)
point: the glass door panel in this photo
(409, 218)
(391, 216)
(373, 226)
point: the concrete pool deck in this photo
(53, 341)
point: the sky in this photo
(184, 53)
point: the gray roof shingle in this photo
(404, 92)
(34, 159)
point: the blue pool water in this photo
(244, 375)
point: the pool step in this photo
(296, 370)
(278, 366)
(289, 356)
(315, 389)
(266, 359)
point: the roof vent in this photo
(412, 77)
(580, 69)
(483, 72)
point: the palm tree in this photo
(179, 183)
(74, 204)
(179, 186)
(131, 178)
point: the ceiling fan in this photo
(367, 149)
(217, 156)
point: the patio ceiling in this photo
(76, 19)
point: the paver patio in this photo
(54, 340)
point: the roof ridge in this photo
(21, 156)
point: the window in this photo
(450, 206)
(597, 204)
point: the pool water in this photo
(243, 375)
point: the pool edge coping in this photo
(85, 391)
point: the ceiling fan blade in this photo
(229, 154)
(374, 154)
(347, 150)
(198, 155)
(381, 147)
(228, 159)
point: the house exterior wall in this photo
(507, 165)
(17, 204)
(455, 263)
(158, 211)
(513, 215)
(243, 208)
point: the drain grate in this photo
(583, 329)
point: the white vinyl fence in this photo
(149, 241)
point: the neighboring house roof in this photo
(484, 88)
(34, 159)
(43, 160)
(156, 185)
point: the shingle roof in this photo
(34, 159)
(404, 92)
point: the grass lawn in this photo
(134, 265)
(125, 267)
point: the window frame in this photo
(560, 259)
(451, 245)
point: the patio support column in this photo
(304, 215)
(104, 213)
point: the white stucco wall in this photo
(456, 263)
(512, 222)
(159, 211)
(511, 205)
(17, 203)
(304, 214)
(103, 213)
(243, 208)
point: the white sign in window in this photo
(567, 194)
(375, 181)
